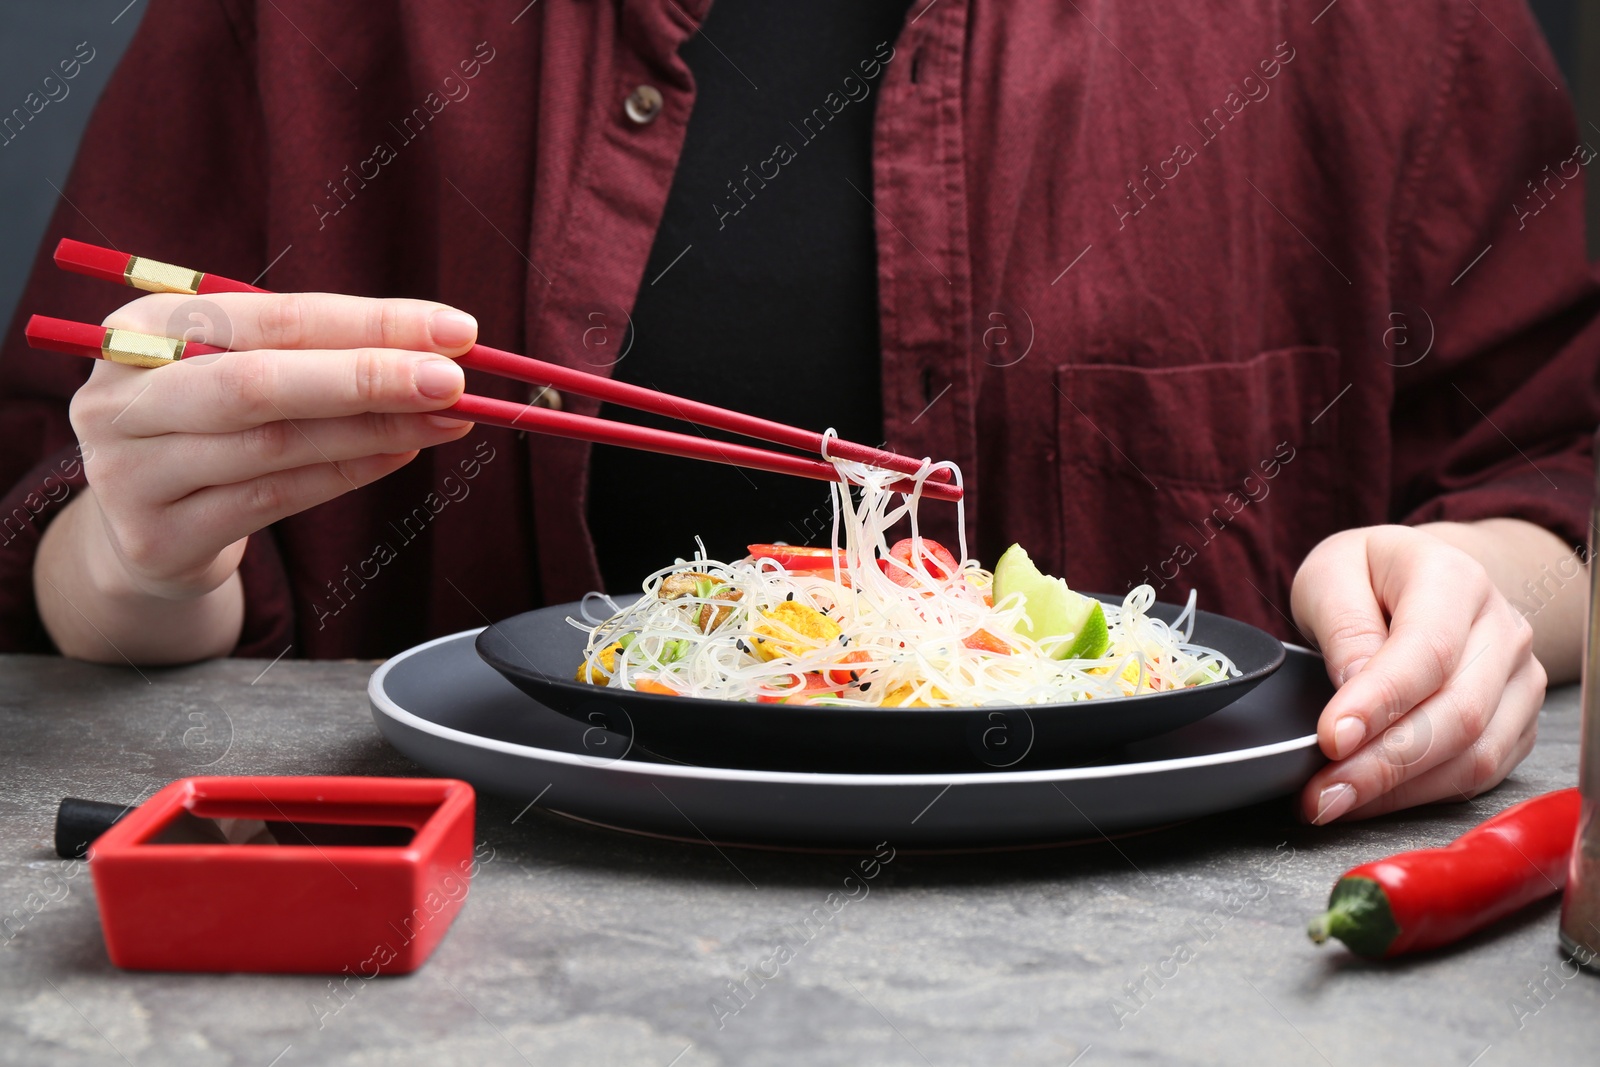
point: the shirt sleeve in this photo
(171, 167)
(1496, 395)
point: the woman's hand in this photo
(321, 394)
(1438, 686)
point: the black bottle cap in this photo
(79, 822)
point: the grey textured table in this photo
(580, 945)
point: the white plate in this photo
(450, 712)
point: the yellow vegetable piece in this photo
(900, 697)
(1127, 677)
(607, 656)
(792, 629)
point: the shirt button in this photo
(544, 397)
(643, 104)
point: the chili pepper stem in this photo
(1359, 915)
(1335, 922)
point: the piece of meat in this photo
(712, 616)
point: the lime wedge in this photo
(1094, 637)
(1070, 625)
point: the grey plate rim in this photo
(381, 701)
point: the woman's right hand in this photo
(320, 394)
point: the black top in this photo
(761, 290)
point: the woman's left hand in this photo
(1438, 688)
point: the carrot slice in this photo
(984, 641)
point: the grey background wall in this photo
(35, 36)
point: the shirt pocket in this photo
(1217, 477)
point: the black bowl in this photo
(539, 652)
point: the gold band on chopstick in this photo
(140, 349)
(154, 276)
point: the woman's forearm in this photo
(92, 609)
(1541, 575)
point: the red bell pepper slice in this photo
(984, 641)
(936, 560)
(803, 685)
(798, 557)
(844, 676)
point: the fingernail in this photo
(1334, 801)
(444, 422)
(451, 328)
(1348, 734)
(1352, 669)
(439, 378)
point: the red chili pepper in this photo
(1420, 900)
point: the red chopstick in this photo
(151, 275)
(154, 276)
(150, 350)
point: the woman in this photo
(1194, 300)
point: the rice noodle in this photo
(912, 634)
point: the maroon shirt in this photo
(1182, 290)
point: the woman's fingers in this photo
(172, 502)
(238, 390)
(1432, 594)
(166, 547)
(1438, 729)
(1483, 765)
(171, 467)
(248, 506)
(1439, 686)
(317, 395)
(1333, 601)
(246, 321)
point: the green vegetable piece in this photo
(1070, 625)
